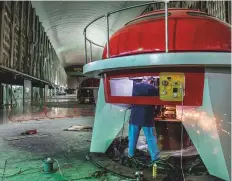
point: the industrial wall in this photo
(25, 46)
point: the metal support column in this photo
(27, 89)
(85, 48)
(107, 35)
(46, 93)
(166, 26)
(91, 56)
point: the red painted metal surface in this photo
(194, 86)
(188, 30)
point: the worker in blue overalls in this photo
(142, 117)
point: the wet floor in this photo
(59, 107)
(21, 156)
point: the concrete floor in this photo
(59, 107)
(68, 147)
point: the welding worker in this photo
(142, 117)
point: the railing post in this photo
(107, 36)
(166, 26)
(85, 47)
(91, 58)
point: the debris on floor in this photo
(24, 136)
(30, 132)
(79, 128)
(98, 174)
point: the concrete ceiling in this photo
(64, 22)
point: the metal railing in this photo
(219, 9)
(107, 15)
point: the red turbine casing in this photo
(194, 77)
(188, 30)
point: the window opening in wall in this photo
(123, 86)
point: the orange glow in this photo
(200, 119)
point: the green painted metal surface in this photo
(219, 81)
(164, 59)
(201, 125)
(211, 137)
(108, 122)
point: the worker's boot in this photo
(159, 159)
(132, 162)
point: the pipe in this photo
(107, 35)
(123, 9)
(135, 6)
(91, 56)
(94, 43)
(93, 21)
(166, 26)
(85, 48)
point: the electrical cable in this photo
(123, 126)
(133, 166)
(60, 170)
(4, 168)
(168, 164)
(88, 177)
(123, 131)
(124, 120)
(181, 152)
(5, 176)
(21, 171)
(113, 172)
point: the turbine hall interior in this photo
(115, 90)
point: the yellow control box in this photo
(171, 86)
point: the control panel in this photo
(171, 86)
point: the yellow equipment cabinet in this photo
(171, 86)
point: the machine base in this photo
(115, 167)
(115, 160)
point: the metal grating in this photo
(23, 43)
(6, 51)
(16, 34)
